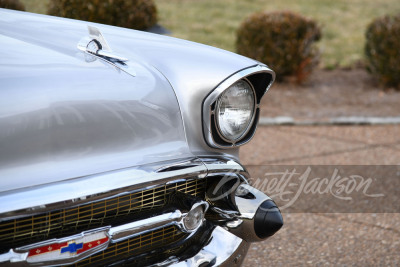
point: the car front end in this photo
(125, 156)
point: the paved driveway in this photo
(337, 239)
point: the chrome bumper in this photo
(224, 249)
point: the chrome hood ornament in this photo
(95, 47)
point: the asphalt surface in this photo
(325, 238)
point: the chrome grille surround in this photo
(123, 242)
(194, 171)
(111, 211)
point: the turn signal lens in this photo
(194, 218)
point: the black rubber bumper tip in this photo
(268, 219)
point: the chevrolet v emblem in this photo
(67, 250)
(72, 248)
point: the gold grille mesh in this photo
(135, 246)
(74, 220)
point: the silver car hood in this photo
(62, 117)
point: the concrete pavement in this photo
(328, 239)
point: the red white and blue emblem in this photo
(67, 250)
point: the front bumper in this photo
(238, 214)
(224, 249)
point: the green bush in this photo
(12, 4)
(283, 40)
(134, 14)
(383, 49)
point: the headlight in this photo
(235, 111)
(230, 112)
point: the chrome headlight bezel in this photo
(260, 78)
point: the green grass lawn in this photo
(214, 22)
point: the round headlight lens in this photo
(235, 110)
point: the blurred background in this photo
(216, 22)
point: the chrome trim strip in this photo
(213, 97)
(223, 165)
(84, 190)
(129, 230)
(126, 231)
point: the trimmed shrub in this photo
(382, 49)
(134, 14)
(12, 4)
(283, 40)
